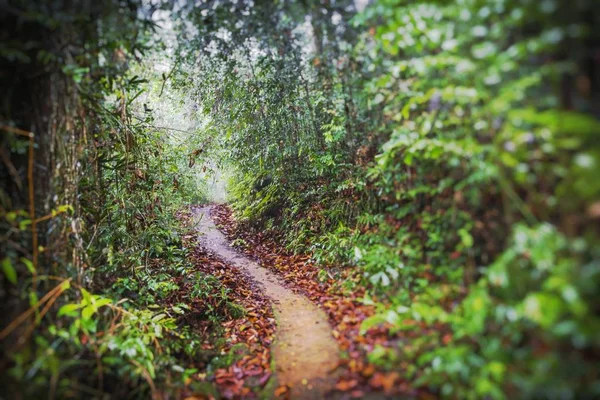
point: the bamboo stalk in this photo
(34, 238)
(21, 318)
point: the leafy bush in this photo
(110, 184)
(452, 164)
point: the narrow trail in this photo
(304, 350)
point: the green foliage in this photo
(443, 150)
(110, 225)
(476, 124)
(447, 151)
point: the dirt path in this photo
(304, 350)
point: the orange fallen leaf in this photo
(281, 390)
(384, 381)
(345, 385)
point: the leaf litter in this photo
(248, 337)
(346, 310)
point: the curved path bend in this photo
(304, 350)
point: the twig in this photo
(31, 327)
(45, 217)
(17, 131)
(21, 318)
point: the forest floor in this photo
(305, 352)
(318, 349)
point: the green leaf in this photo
(29, 265)
(9, 271)
(159, 317)
(65, 285)
(102, 302)
(178, 310)
(543, 308)
(393, 272)
(357, 254)
(87, 312)
(380, 278)
(371, 322)
(64, 208)
(24, 223)
(466, 238)
(87, 297)
(69, 310)
(88, 324)
(33, 299)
